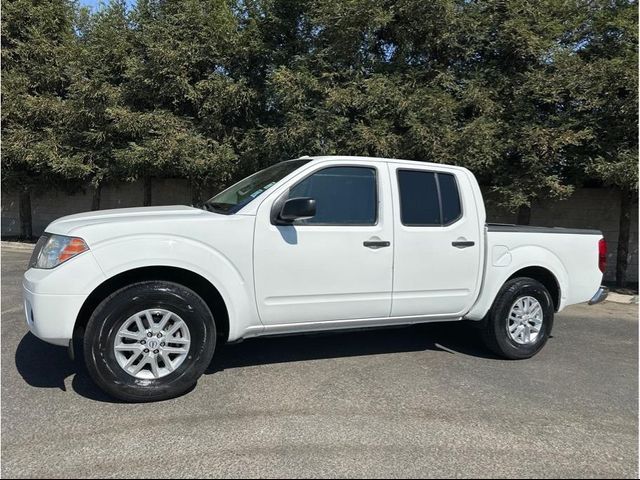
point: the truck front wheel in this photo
(149, 341)
(520, 320)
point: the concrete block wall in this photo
(587, 208)
(52, 204)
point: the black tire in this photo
(495, 335)
(113, 311)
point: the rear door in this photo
(437, 256)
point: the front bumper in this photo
(600, 295)
(53, 298)
(52, 317)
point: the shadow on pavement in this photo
(453, 338)
(47, 366)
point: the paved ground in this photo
(410, 402)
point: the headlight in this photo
(52, 250)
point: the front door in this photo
(332, 266)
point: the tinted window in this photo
(418, 198)
(428, 198)
(450, 198)
(343, 195)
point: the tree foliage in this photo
(38, 48)
(534, 97)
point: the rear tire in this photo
(164, 373)
(512, 328)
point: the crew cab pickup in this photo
(311, 244)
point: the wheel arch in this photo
(545, 277)
(203, 287)
(547, 269)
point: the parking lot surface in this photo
(422, 401)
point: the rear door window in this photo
(449, 198)
(428, 198)
(419, 203)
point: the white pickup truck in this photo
(305, 245)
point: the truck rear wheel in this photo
(149, 341)
(520, 320)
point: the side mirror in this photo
(297, 208)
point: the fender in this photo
(121, 254)
(517, 259)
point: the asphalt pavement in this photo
(422, 401)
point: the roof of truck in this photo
(377, 159)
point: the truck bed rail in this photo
(506, 227)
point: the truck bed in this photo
(570, 254)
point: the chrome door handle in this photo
(376, 244)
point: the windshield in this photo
(237, 196)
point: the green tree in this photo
(179, 74)
(607, 62)
(38, 47)
(534, 97)
(515, 68)
(154, 98)
(100, 119)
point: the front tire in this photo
(149, 341)
(520, 320)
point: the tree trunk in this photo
(622, 260)
(196, 194)
(524, 215)
(147, 192)
(26, 224)
(95, 199)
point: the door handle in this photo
(463, 243)
(376, 244)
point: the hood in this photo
(71, 223)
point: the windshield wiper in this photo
(217, 207)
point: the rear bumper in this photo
(600, 295)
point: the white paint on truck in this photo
(312, 244)
(305, 277)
